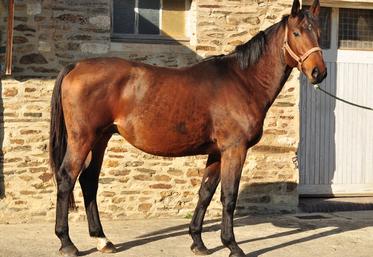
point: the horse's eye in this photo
(296, 33)
(309, 27)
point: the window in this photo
(150, 19)
(325, 26)
(355, 30)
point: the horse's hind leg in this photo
(66, 176)
(209, 183)
(89, 184)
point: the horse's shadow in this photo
(296, 223)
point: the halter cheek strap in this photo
(298, 59)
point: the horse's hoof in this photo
(108, 248)
(238, 254)
(200, 250)
(69, 251)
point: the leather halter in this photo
(298, 59)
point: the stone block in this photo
(101, 21)
(34, 58)
(33, 8)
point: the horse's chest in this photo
(234, 127)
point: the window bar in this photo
(136, 24)
(9, 48)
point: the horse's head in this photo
(301, 43)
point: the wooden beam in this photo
(9, 46)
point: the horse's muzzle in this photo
(317, 76)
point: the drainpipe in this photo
(9, 47)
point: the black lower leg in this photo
(65, 185)
(209, 183)
(89, 183)
(227, 234)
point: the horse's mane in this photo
(249, 53)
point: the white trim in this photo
(355, 4)
(101, 242)
(354, 56)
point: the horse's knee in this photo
(229, 202)
(61, 231)
(230, 206)
(204, 201)
(64, 185)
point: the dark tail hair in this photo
(58, 135)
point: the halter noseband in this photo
(298, 59)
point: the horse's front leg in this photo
(232, 162)
(210, 181)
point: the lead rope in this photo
(317, 87)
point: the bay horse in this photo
(215, 107)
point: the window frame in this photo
(148, 38)
(339, 47)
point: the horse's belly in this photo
(167, 140)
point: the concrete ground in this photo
(343, 234)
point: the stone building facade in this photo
(50, 34)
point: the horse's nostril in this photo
(315, 72)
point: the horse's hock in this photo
(133, 183)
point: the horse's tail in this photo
(58, 135)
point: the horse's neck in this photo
(270, 73)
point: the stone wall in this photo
(50, 34)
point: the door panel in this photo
(336, 146)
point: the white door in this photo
(336, 140)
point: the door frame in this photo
(335, 55)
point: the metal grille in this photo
(325, 26)
(355, 29)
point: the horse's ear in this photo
(295, 8)
(315, 8)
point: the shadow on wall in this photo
(280, 197)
